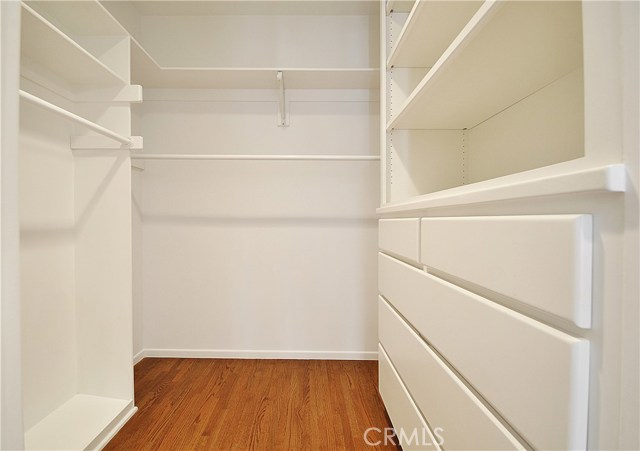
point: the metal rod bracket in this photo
(283, 117)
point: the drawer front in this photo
(535, 376)
(400, 237)
(543, 261)
(445, 401)
(402, 410)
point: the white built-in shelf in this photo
(147, 72)
(564, 178)
(507, 51)
(76, 424)
(79, 18)
(44, 45)
(428, 31)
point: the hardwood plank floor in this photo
(223, 404)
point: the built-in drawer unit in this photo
(449, 407)
(411, 431)
(543, 261)
(535, 376)
(400, 237)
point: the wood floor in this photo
(187, 404)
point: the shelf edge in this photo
(609, 178)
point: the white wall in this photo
(11, 428)
(259, 258)
(103, 286)
(136, 237)
(47, 263)
(260, 40)
(136, 240)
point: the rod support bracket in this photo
(283, 116)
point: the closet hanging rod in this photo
(257, 157)
(74, 117)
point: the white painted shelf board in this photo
(429, 30)
(50, 48)
(546, 181)
(507, 51)
(75, 424)
(80, 18)
(148, 73)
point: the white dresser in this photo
(489, 376)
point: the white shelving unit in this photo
(474, 94)
(74, 145)
(503, 118)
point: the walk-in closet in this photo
(319, 224)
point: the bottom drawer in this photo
(411, 430)
(463, 421)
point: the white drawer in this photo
(543, 261)
(408, 423)
(400, 237)
(464, 422)
(536, 377)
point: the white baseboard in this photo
(254, 354)
(139, 356)
(115, 428)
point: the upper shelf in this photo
(45, 45)
(79, 18)
(428, 31)
(146, 72)
(507, 51)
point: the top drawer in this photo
(543, 261)
(400, 237)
